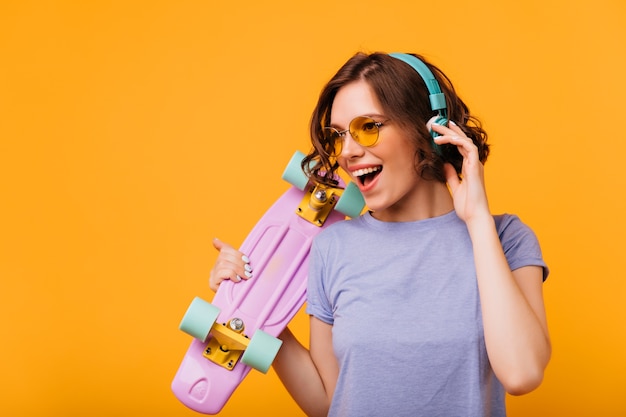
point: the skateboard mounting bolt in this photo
(320, 195)
(236, 324)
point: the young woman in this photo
(426, 305)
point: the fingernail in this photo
(248, 267)
(248, 274)
(245, 259)
(237, 278)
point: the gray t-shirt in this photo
(407, 325)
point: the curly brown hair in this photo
(404, 98)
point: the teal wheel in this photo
(199, 319)
(261, 351)
(351, 202)
(293, 173)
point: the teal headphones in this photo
(437, 98)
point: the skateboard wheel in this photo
(351, 202)
(293, 173)
(199, 318)
(261, 351)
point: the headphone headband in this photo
(437, 98)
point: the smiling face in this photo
(401, 176)
(385, 172)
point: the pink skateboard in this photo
(238, 330)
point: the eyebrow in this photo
(374, 116)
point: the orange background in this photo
(132, 132)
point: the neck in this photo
(432, 199)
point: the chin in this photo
(374, 207)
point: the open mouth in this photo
(366, 175)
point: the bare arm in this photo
(514, 318)
(309, 375)
(516, 331)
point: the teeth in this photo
(365, 171)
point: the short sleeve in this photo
(520, 244)
(318, 304)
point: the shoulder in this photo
(519, 242)
(510, 226)
(504, 220)
(340, 230)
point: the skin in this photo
(516, 332)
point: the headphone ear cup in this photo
(442, 121)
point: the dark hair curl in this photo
(404, 98)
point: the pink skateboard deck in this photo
(238, 329)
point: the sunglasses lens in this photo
(364, 130)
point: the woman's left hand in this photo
(468, 193)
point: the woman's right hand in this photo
(230, 264)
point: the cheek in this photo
(406, 166)
(342, 164)
(402, 153)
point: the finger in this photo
(226, 248)
(230, 254)
(431, 125)
(454, 127)
(231, 265)
(227, 271)
(218, 244)
(221, 275)
(238, 265)
(216, 281)
(451, 130)
(462, 142)
(227, 252)
(454, 135)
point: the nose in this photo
(350, 148)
